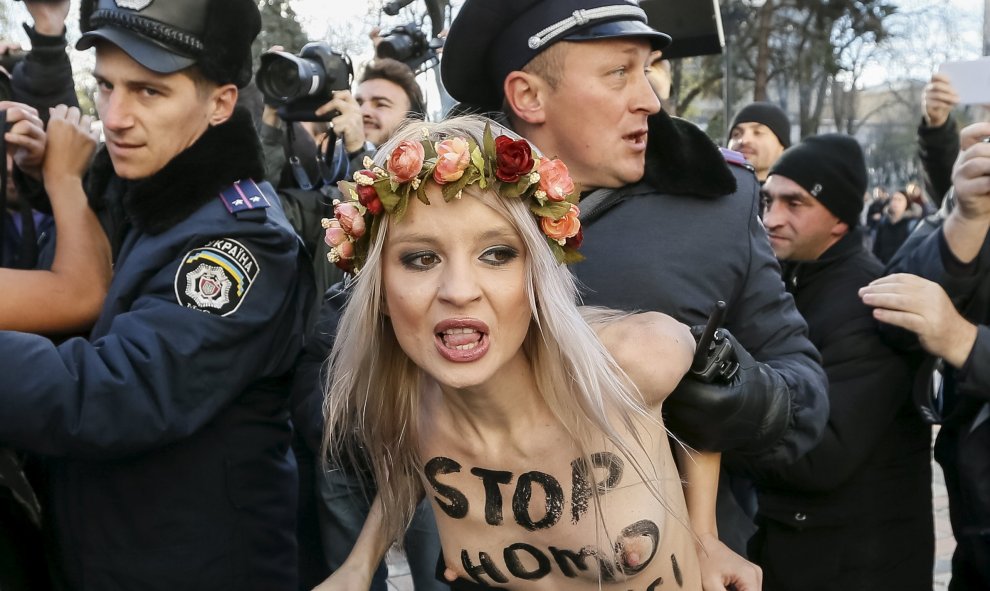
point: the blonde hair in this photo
(373, 389)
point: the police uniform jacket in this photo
(688, 235)
(685, 236)
(167, 431)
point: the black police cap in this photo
(490, 38)
(167, 36)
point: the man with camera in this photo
(166, 432)
(356, 123)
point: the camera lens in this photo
(288, 77)
(282, 79)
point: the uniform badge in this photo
(134, 4)
(216, 277)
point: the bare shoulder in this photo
(654, 349)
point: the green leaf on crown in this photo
(450, 190)
(553, 209)
(387, 194)
(429, 150)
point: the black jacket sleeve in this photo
(968, 286)
(44, 78)
(937, 148)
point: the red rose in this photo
(513, 158)
(576, 240)
(368, 197)
(366, 193)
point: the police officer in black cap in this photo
(166, 431)
(668, 225)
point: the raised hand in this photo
(939, 98)
(25, 137)
(71, 145)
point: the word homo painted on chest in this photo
(633, 551)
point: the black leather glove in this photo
(724, 407)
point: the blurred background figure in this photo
(761, 132)
(658, 71)
(895, 226)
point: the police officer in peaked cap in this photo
(669, 224)
(165, 430)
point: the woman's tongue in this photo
(460, 339)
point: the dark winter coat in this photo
(963, 444)
(891, 235)
(686, 236)
(867, 485)
(167, 430)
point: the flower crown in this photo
(509, 167)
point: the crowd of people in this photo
(559, 339)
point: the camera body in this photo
(302, 83)
(409, 45)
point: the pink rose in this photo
(555, 181)
(335, 235)
(566, 227)
(513, 158)
(346, 250)
(344, 256)
(453, 157)
(350, 219)
(406, 161)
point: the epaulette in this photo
(245, 200)
(736, 159)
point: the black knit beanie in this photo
(768, 114)
(831, 167)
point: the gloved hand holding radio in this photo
(728, 401)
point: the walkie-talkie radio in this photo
(714, 358)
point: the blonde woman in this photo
(465, 371)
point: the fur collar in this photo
(223, 154)
(682, 160)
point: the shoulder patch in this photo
(216, 277)
(243, 196)
(736, 159)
